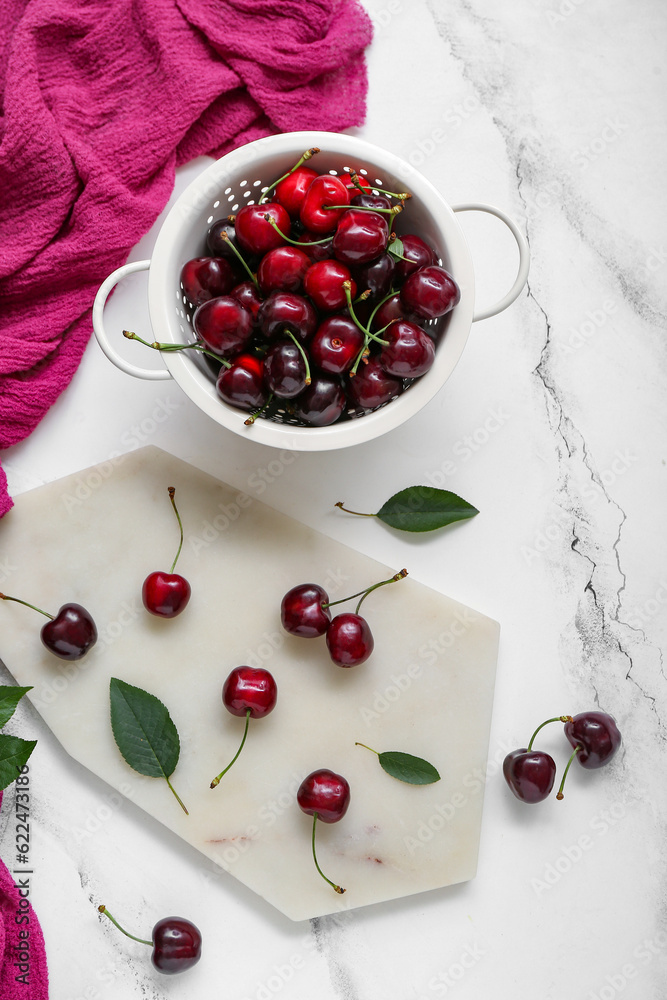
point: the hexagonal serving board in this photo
(427, 689)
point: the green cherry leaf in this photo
(10, 696)
(424, 508)
(405, 767)
(395, 248)
(14, 752)
(144, 731)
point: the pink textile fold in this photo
(23, 969)
(101, 100)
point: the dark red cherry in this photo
(242, 385)
(247, 294)
(369, 200)
(321, 403)
(376, 277)
(301, 611)
(430, 292)
(371, 386)
(325, 794)
(336, 344)
(409, 353)
(285, 369)
(292, 190)
(165, 594)
(286, 312)
(250, 690)
(255, 234)
(176, 945)
(71, 633)
(283, 270)
(360, 236)
(223, 324)
(323, 282)
(205, 278)
(349, 640)
(597, 736)
(326, 189)
(217, 245)
(316, 251)
(389, 311)
(418, 253)
(530, 774)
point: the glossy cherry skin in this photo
(318, 251)
(255, 234)
(371, 386)
(409, 353)
(325, 794)
(205, 278)
(223, 325)
(218, 246)
(322, 402)
(283, 270)
(284, 369)
(376, 277)
(70, 633)
(246, 293)
(326, 189)
(389, 311)
(323, 283)
(301, 611)
(419, 254)
(430, 292)
(285, 311)
(530, 774)
(176, 945)
(369, 200)
(165, 595)
(598, 736)
(336, 344)
(242, 385)
(349, 640)
(291, 192)
(360, 236)
(250, 689)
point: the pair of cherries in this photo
(531, 773)
(304, 612)
(72, 631)
(252, 693)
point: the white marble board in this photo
(427, 689)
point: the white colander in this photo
(237, 179)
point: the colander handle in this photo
(524, 258)
(103, 294)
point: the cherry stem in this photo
(167, 348)
(226, 237)
(363, 353)
(306, 156)
(347, 288)
(381, 303)
(559, 794)
(364, 593)
(366, 208)
(558, 718)
(172, 491)
(216, 781)
(113, 920)
(303, 355)
(367, 748)
(288, 239)
(176, 796)
(249, 421)
(18, 600)
(335, 887)
(397, 576)
(357, 512)
(402, 196)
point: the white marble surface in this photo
(553, 424)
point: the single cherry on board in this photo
(165, 595)
(69, 634)
(176, 943)
(349, 640)
(530, 773)
(324, 795)
(303, 611)
(251, 692)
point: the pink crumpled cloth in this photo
(23, 970)
(101, 101)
